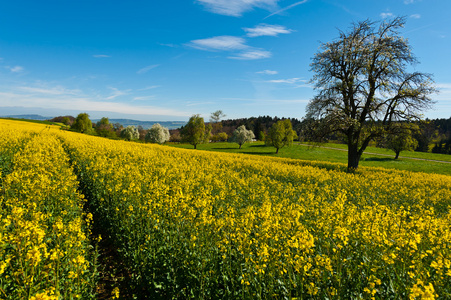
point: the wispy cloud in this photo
(444, 93)
(146, 69)
(64, 99)
(219, 43)
(267, 72)
(415, 16)
(236, 8)
(57, 90)
(287, 8)
(168, 45)
(266, 30)
(295, 82)
(116, 93)
(15, 69)
(143, 98)
(410, 1)
(252, 54)
(101, 55)
(150, 87)
(289, 80)
(236, 45)
(386, 15)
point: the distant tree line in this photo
(438, 133)
(430, 135)
(82, 123)
(223, 130)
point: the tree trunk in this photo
(353, 157)
(240, 146)
(397, 154)
(195, 146)
(277, 150)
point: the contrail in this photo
(286, 8)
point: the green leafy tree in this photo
(280, 134)
(400, 138)
(241, 135)
(130, 133)
(157, 134)
(363, 85)
(195, 132)
(105, 128)
(65, 121)
(262, 136)
(219, 137)
(82, 124)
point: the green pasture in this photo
(373, 157)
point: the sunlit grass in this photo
(321, 153)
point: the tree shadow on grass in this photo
(260, 153)
(379, 159)
(218, 148)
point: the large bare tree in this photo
(364, 84)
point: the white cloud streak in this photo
(287, 8)
(252, 54)
(295, 82)
(289, 80)
(219, 43)
(386, 15)
(146, 69)
(266, 30)
(116, 93)
(415, 16)
(101, 56)
(232, 44)
(58, 90)
(143, 98)
(15, 69)
(149, 87)
(65, 99)
(236, 8)
(267, 72)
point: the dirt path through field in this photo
(388, 155)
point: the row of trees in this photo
(156, 134)
(196, 132)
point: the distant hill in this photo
(123, 122)
(145, 124)
(28, 117)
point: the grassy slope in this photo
(407, 162)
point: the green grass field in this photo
(408, 160)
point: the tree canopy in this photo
(280, 134)
(82, 123)
(195, 132)
(130, 133)
(241, 135)
(105, 128)
(400, 138)
(364, 85)
(157, 134)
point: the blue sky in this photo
(162, 60)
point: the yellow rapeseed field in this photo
(204, 225)
(44, 245)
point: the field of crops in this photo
(204, 225)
